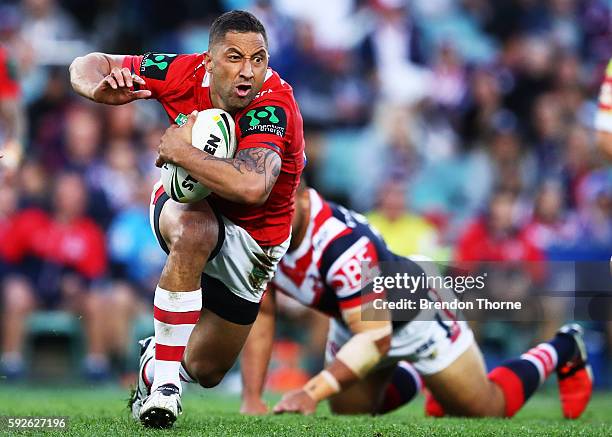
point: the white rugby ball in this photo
(213, 132)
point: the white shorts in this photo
(237, 263)
(431, 346)
(242, 265)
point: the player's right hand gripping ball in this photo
(213, 132)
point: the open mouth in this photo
(243, 89)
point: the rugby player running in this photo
(367, 369)
(237, 235)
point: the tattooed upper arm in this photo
(262, 161)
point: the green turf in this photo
(97, 411)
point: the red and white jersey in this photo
(325, 271)
(272, 121)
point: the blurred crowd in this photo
(464, 129)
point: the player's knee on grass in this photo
(481, 408)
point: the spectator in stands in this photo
(552, 228)
(82, 153)
(548, 135)
(496, 245)
(578, 161)
(134, 253)
(392, 53)
(594, 207)
(496, 236)
(12, 117)
(57, 259)
(484, 108)
(405, 233)
(8, 207)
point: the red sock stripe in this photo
(512, 388)
(543, 357)
(548, 358)
(176, 318)
(169, 353)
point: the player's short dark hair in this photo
(235, 21)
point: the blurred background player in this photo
(238, 235)
(324, 269)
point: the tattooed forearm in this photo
(255, 160)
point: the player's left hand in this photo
(296, 401)
(174, 141)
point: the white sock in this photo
(175, 313)
(149, 373)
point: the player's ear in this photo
(207, 62)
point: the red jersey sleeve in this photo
(165, 74)
(267, 124)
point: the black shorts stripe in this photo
(161, 200)
(220, 300)
(220, 234)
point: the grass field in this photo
(102, 411)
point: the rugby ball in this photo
(213, 132)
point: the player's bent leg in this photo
(191, 232)
(460, 389)
(365, 396)
(188, 233)
(463, 389)
(213, 348)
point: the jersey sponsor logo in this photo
(155, 65)
(264, 120)
(346, 274)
